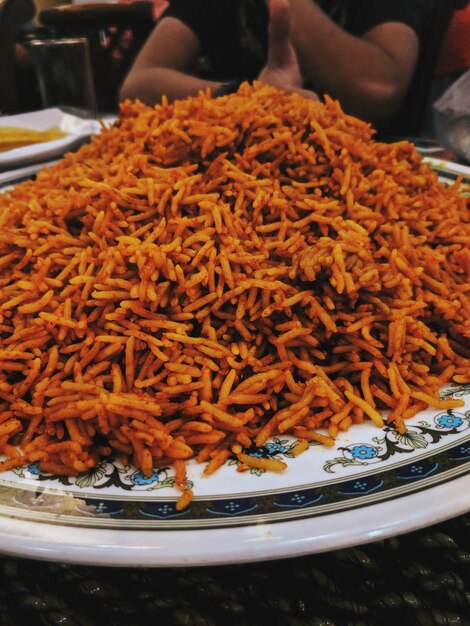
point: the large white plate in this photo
(75, 128)
(374, 483)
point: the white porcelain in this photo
(75, 128)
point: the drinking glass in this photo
(65, 75)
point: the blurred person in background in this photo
(448, 115)
(360, 52)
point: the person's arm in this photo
(164, 65)
(369, 75)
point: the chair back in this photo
(13, 14)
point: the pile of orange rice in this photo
(209, 273)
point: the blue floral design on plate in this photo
(105, 507)
(448, 420)
(418, 469)
(140, 479)
(270, 449)
(355, 454)
(461, 452)
(416, 438)
(34, 469)
(162, 510)
(361, 487)
(363, 451)
(275, 447)
(298, 499)
(232, 507)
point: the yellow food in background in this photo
(12, 137)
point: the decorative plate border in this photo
(438, 451)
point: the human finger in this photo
(279, 29)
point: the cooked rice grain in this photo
(211, 272)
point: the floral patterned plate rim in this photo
(373, 483)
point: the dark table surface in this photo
(422, 578)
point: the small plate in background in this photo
(75, 129)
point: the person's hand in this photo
(282, 68)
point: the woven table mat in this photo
(422, 578)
